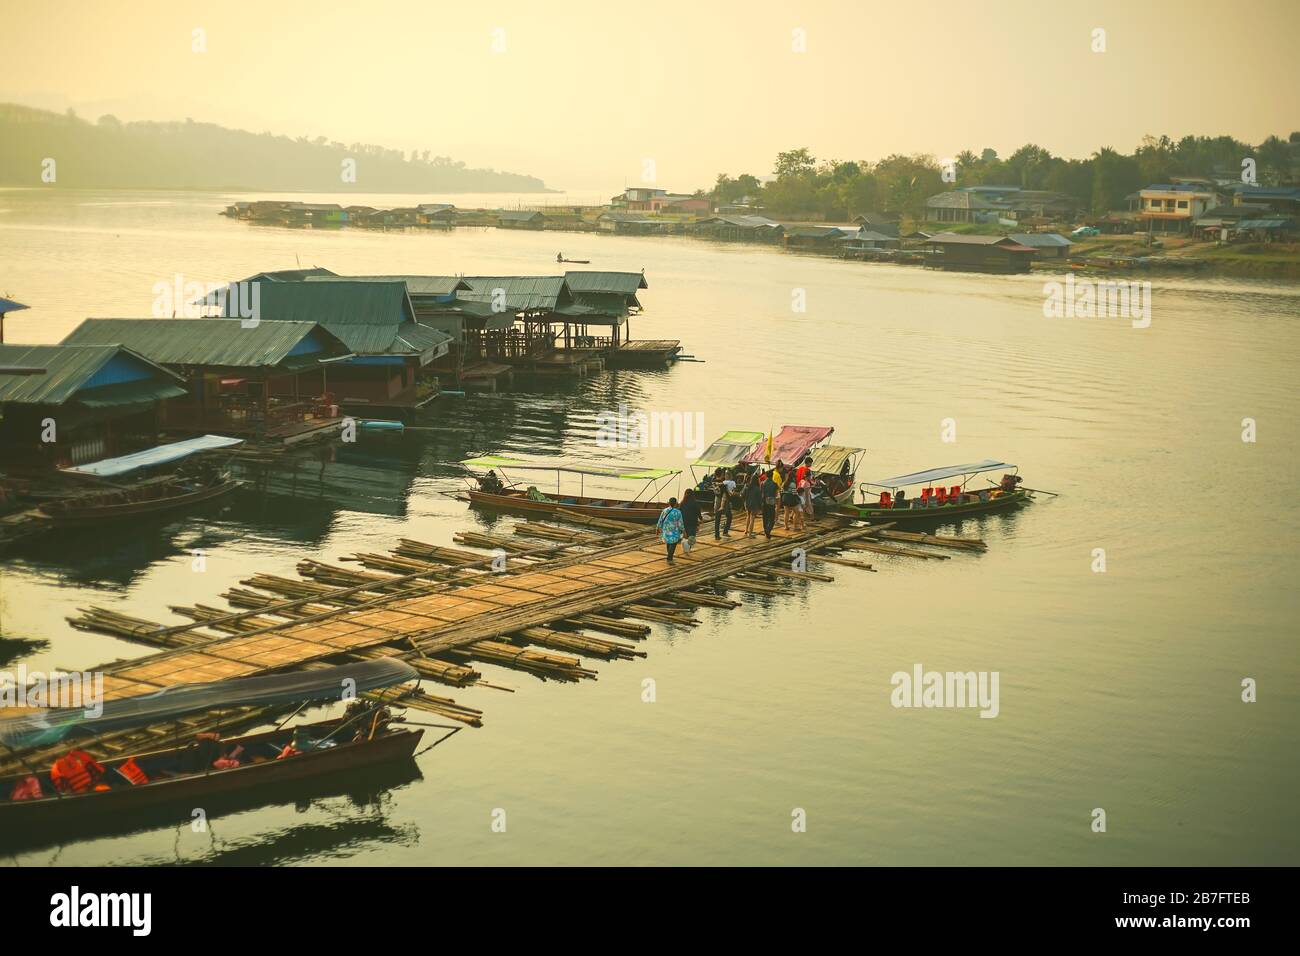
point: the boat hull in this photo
(97, 514)
(644, 512)
(82, 812)
(910, 517)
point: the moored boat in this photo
(43, 802)
(496, 489)
(140, 501)
(937, 504)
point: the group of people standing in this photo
(762, 492)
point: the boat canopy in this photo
(937, 474)
(790, 444)
(150, 457)
(829, 459)
(728, 450)
(49, 726)
(634, 472)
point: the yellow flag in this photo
(767, 452)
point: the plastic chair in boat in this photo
(926, 496)
(886, 500)
(954, 493)
(941, 495)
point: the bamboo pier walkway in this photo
(567, 593)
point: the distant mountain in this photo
(110, 154)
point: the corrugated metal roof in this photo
(371, 315)
(289, 275)
(512, 215)
(521, 292)
(415, 285)
(68, 368)
(337, 303)
(1041, 240)
(590, 281)
(222, 342)
(957, 239)
(1265, 224)
(959, 200)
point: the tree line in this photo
(900, 185)
(111, 154)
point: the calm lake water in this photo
(1118, 690)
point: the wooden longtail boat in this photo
(149, 499)
(184, 776)
(927, 508)
(497, 490)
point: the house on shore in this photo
(1174, 207)
(263, 381)
(1002, 254)
(66, 405)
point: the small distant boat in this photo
(576, 262)
(937, 504)
(506, 494)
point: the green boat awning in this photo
(728, 450)
(633, 472)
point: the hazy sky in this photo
(584, 92)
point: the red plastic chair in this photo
(941, 495)
(886, 500)
(955, 493)
(925, 495)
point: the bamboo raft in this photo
(587, 589)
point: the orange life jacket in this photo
(29, 788)
(76, 772)
(131, 770)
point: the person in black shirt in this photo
(690, 519)
(769, 493)
(753, 498)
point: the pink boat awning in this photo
(790, 444)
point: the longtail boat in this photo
(141, 501)
(185, 776)
(936, 504)
(497, 489)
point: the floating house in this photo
(865, 243)
(950, 252)
(475, 329)
(879, 222)
(739, 228)
(1046, 245)
(520, 219)
(65, 405)
(266, 381)
(814, 237)
(376, 320)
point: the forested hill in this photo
(187, 155)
